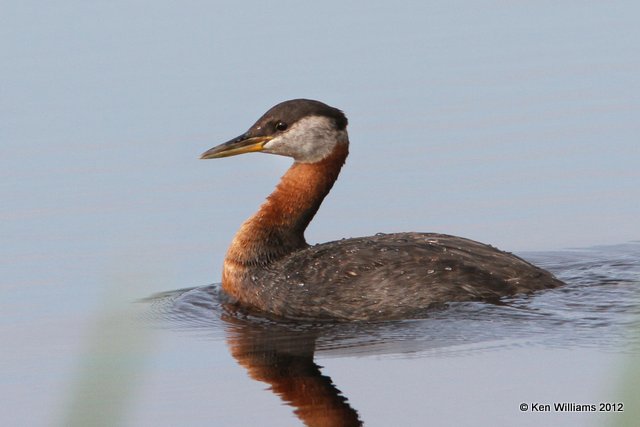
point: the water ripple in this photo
(598, 308)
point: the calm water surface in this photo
(461, 364)
(510, 123)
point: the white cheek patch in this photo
(309, 140)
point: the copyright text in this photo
(572, 407)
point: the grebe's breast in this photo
(389, 276)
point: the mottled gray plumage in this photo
(390, 276)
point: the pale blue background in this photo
(512, 123)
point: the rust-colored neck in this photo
(277, 229)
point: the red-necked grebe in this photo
(270, 267)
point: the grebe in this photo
(269, 266)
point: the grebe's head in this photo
(304, 129)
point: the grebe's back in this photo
(389, 276)
(270, 267)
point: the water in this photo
(594, 319)
(510, 123)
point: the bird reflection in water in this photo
(283, 357)
(281, 352)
